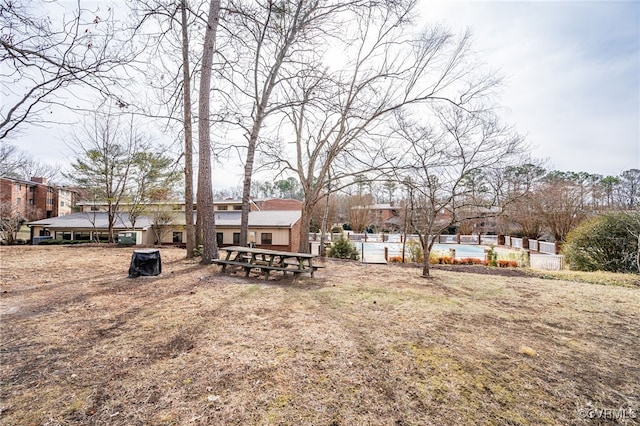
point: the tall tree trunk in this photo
(305, 224)
(205, 186)
(248, 174)
(111, 218)
(426, 252)
(261, 104)
(323, 229)
(188, 137)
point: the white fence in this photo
(547, 262)
(397, 238)
(545, 247)
(516, 242)
(544, 255)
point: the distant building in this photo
(35, 199)
(278, 204)
(218, 205)
(387, 217)
(273, 229)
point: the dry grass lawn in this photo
(358, 345)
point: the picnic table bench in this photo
(265, 261)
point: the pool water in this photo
(376, 250)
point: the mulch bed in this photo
(481, 269)
(472, 269)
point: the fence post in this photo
(386, 253)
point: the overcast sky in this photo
(572, 79)
(572, 74)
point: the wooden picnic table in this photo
(251, 258)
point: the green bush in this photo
(53, 242)
(608, 242)
(343, 249)
(492, 257)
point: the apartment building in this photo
(35, 199)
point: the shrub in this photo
(416, 253)
(53, 242)
(470, 261)
(608, 242)
(343, 249)
(502, 263)
(492, 257)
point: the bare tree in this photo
(270, 32)
(630, 185)
(162, 217)
(280, 38)
(205, 187)
(44, 52)
(18, 164)
(560, 205)
(174, 24)
(12, 217)
(104, 150)
(188, 135)
(12, 160)
(340, 114)
(437, 162)
(521, 181)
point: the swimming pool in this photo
(375, 250)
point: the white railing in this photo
(547, 262)
(489, 239)
(509, 241)
(545, 247)
(516, 242)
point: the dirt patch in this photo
(359, 344)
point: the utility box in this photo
(129, 238)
